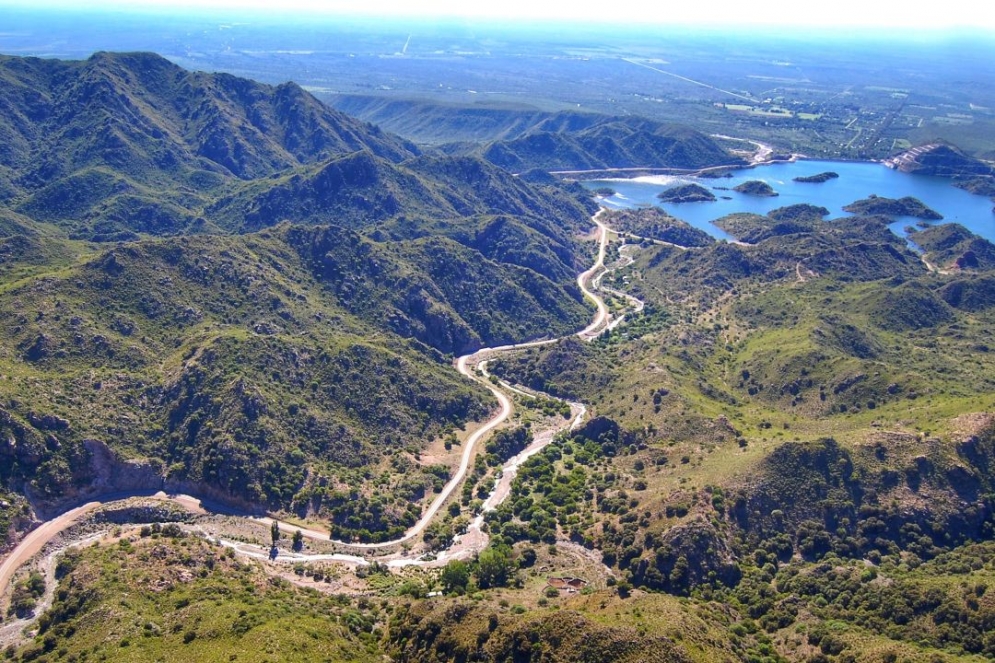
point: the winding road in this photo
(588, 281)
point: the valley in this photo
(279, 384)
(470, 366)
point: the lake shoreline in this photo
(643, 171)
(858, 179)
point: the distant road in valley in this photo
(690, 80)
(763, 154)
(35, 541)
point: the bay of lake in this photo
(856, 180)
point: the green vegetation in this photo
(980, 186)
(687, 193)
(755, 188)
(655, 223)
(148, 143)
(791, 220)
(568, 369)
(360, 190)
(954, 247)
(818, 178)
(248, 296)
(828, 423)
(300, 368)
(25, 595)
(605, 142)
(181, 599)
(221, 370)
(907, 206)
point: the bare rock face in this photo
(47, 422)
(111, 474)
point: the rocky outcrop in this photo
(109, 475)
(690, 554)
(112, 474)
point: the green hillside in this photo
(257, 365)
(225, 289)
(613, 143)
(131, 142)
(360, 190)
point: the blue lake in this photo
(856, 180)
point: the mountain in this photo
(939, 159)
(418, 288)
(907, 206)
(432, 123)
(361, 190)
(249, 367)
(235, 293)
(147, 117)
(522, 138)
(611, 143)
(656, 224)
(786, 419)
(953, 246)
(122, 145)
(167, 327)
(146, 142)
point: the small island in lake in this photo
(818, 179)
(715, 174)
(756, 188)
(907, 206)
(687, 193)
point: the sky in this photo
(836, 13)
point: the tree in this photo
(274, 532)
(455, 577)
(493, 567)
(298, 540)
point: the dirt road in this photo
(35, 541)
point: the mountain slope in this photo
(520, 138)
(250, 366)
(431, 123)
(614, 143)
(147, 116)
(269, 368)
(148, 142)
(360, 190)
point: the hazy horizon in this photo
(850, 15)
